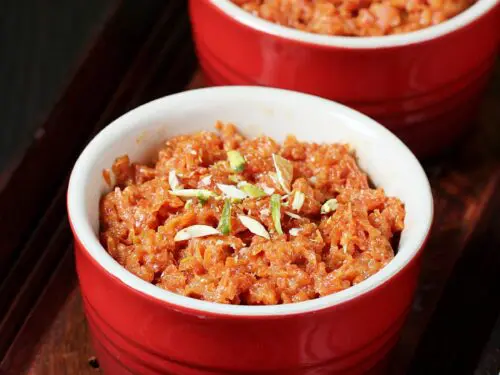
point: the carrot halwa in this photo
(227, 219)
(356, 17)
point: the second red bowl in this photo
(425, 86)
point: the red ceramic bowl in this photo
(424, 85)
(138, 328)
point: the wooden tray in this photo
(145, 51)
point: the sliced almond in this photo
(284, 172)
(205, 181)
(173, 181)
(329, 206)
(268, 190)
(298, 200)
(274, 177)
(232, 191)
(195, 231)
(254, 226)
(294, 231)
(293, 216)
(265, 212)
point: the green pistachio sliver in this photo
(236, 161)
(234, 178)
(225, 219)
(252, 190)
(329, 206)
(276, 212)
(202, 198)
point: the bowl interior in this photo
(463, 19)
(255, 111)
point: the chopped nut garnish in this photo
(254, 226)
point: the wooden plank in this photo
(466, 313)
(453, 229)
(464, 185)
(52, 311)
(56, 352)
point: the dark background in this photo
(40, 43)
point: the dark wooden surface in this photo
(41, 42)
(453, 327)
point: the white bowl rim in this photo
(463, 19)
(83, 231)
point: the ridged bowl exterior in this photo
(137, 334)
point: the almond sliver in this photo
(294, 231)
(268, 190)
(298, 200)
(284, 172)
(329, 206)
(232, 191)
(205, 181)
(254, 226)
(292, 215)
(195, 231)
(173, 181)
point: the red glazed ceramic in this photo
(138, 328)
(424, 86)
